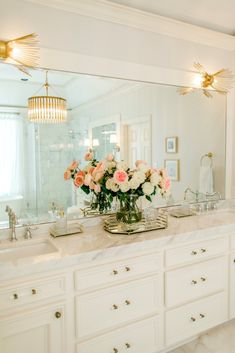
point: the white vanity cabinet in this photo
(33, 315)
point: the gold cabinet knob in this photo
(127, 302)
(193, 319)
(193, 282)
(115, 350)
(57, 314)
(203, 279)
(202, 316)
(194, 252)
(115, 307)
(115, 272)
(203, 250)
(127, 345)
(34, 291)
(15, 296)
(127, 268)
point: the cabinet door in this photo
(232, 286)
(38, 332)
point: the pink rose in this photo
(67, 175)
(139, 162)
(87, 179)
(73, 165)
(88, 156)
(120, 176)
(167, 183)
(110, 157)
(97, 188)
(79, 179)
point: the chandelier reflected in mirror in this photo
(47, 109)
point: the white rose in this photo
(140, 176)
(134, 184)
(122, 165)
(125, 186)
(108, 184)
(143, 167)
(113, 186)
(155, 179)
(148, 188)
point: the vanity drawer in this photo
(31, 292)
(195, 252)
(115, 272)
(107, 308)
(144, 336)
(188, 320)
(195, 281)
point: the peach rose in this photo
(67, 175)
(97, 188)
(90, 170)
(92, 185)
(110, 157)
(79, 179)
(88, 156)
(120, 176)
(73, 165)
(87, 179)
(167, 183)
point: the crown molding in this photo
(127, 16)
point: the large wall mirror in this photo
(132, 120)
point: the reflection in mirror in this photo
(132, 120)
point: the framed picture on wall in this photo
(172, 168)
(171, 144)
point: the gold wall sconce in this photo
(23, 51)
(220, 81)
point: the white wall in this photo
(85, 44)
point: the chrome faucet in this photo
(195, 193)
(12, 223)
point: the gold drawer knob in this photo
(203, 250)
(127, 302)
(194, 252)
(15, 296)
(115, 272)
(127, 268)
(57, 314)
(127, 345)
(193, 319)
(115, 307)
(202, 316)
(203, 279)
(193, 282)
(34, 291)
(115, 350)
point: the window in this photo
(11, 156)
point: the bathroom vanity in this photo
(97, 293)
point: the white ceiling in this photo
(218, 15)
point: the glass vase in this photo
(100, 202)
(129, 211)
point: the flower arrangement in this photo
(116, 179)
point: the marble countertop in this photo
(95, 244)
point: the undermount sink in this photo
(26, 249)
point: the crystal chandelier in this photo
(47, 109)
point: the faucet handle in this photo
(28, 231)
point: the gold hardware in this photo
(202, 316)
(194, 282)
(127, 302)
(128, 345)
(127, 269)
(194, 252)
(15, 296)
(203, 250)
(115, 350)
(115, 272)
(34, 291)
(193, 319)
(115, 307)
(203, 279)
(57, 314)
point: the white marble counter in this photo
(96, 244)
